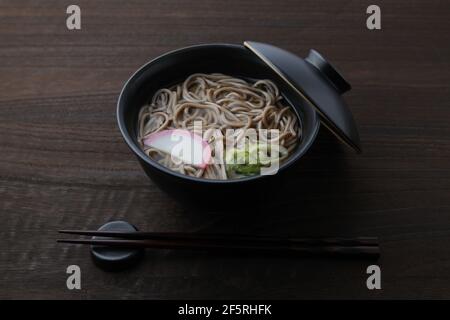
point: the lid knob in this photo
(327, 69)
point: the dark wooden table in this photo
(64, 164)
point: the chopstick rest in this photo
(114, 258)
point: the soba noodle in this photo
(218, 102)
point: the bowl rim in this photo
(143, 157)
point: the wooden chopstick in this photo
(139, 235)
(328, 250)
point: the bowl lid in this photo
(316, 80)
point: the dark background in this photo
(63, 163)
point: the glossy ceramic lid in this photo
(316, 80)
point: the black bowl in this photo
(176, 66)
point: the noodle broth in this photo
(226, 109)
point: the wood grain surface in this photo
(63, 163)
